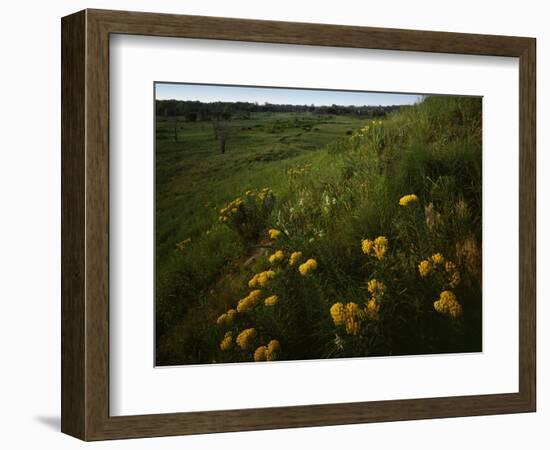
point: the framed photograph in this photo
(271, 225)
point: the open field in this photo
(192, 173)
(301, 234)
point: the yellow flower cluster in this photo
(261, 279)
(298, 170)
(424, 268)
(260, 353)
(448, 304)
(273, 233)
(273, 350)
(367, 246)
(352, 322)
(453, 273)
(263, 193)
(245, 338)
(437, 259)
(227, 341)
(294, 258)
(269, 352)
(377, 248)
(338, 314)
(348, 315)
(362, 132)
(351, 316)
(428, 266)
(373, 308)
(380, 247)
(272, 300)
(227, 317)
(377, 290)
(408, 199)
(306, 268)
(276, 257)
(230, 209)
(249, 302)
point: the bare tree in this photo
(222, 131)
(175, 123)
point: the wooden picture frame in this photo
(85, 224)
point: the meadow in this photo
(319, 235)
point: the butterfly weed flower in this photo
(253, 281)
(376, 288)
(367, 246)
(406, 200)
(306, 268)
(266, 276)
(271, 300)
(438, 262)
(453, 274)
(249, 302)
(447, 304)
(231, 209)
(245, 338)
(352, 321)
(260, 354)
(348, 315)
(294, 258)
(424, 268)
(261, 279)
(377, 248)
(438, 259)
(226, 318)
(265, 192)
(227, 341)
(338, 314)
(231, 315)
(273, 350)
(380, 247)
(273, 233)
(255, 293)
(373, 308)
(277, 257)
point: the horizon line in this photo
(282, 104)
(277, 95)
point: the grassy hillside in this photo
(386, 275)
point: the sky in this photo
(214, 93)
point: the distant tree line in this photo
(195, 111)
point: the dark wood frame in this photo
(85, 224)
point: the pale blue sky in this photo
(214, 93)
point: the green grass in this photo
(331, 188)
